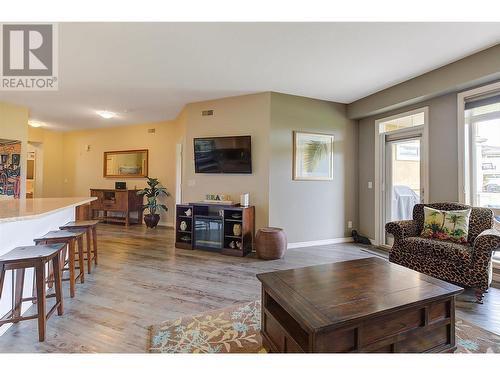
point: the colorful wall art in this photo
(10, 168)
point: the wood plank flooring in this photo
(142, 280)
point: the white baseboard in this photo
(295, 245)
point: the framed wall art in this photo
(312, 156)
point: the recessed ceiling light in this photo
(34, 124)
(106, 114)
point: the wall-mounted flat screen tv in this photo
(223, 154)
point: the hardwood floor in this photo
(141, 280)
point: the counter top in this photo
(26, 209)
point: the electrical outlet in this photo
(349, 224)
(191, 182)
(370, 185)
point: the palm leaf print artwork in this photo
(314, 152)
(313, 156)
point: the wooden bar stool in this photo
(90, 227)
(33, 257)
(71, 239)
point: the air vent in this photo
(208, 112)
(152, 130)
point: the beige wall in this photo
(242, 115)
(312, 210)
(14, 126)
(83, 169)
(49, 147)
(308, 211)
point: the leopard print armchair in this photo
(466, 264)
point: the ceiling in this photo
(147, 72)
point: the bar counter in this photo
(26, 209)
(22, 220)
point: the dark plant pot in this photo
(151, 220)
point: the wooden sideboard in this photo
(116, 201)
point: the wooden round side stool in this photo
(270, 243)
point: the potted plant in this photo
(152, 193)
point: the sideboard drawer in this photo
(108, 205)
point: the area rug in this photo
(235, 329)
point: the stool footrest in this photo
(54, 308)
(21, 318)
(15, 320)
(31, 299)
(76, 278)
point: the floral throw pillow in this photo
(446, 225)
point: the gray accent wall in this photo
(438, 90)
(306, 210)
(477, 69)
(443, 156)
(311, 210)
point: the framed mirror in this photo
(123, 164)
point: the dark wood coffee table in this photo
(365, 305)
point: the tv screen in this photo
(223, 155)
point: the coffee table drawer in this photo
(291, 346)
(274, 331)
(279, 337)
(391, 324)
(425, 341)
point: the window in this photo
(482, 119)
(479, 142)
(416, 119)
(408, 152)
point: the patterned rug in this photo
(235, 329)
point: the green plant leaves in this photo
(152, 193)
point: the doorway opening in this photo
(34, 170)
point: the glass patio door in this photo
(403, 179)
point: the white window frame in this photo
(464, 158)
(380, 165)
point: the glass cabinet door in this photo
(208, 233)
